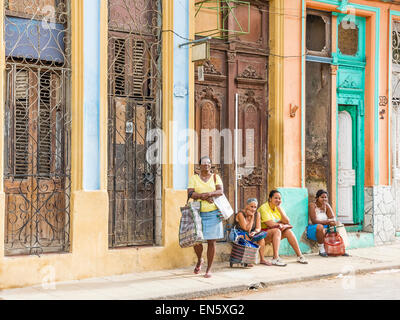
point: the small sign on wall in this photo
(201, 51)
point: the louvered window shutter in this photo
(45, 134)
(21, 118)
(119, 67)
(139, 75)
(131, 68)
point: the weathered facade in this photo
(105, 117)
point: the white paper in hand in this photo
(224, 206)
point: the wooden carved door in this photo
(237, 66)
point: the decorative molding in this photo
(209, 68)
(231, 55)
(349, 83)
(255, 178)
(383, 101)
(209, 94)
(250, 98)
(249, 73)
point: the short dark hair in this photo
(272, 192)
(321, 192)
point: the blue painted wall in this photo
(181, 97)
(91, 122)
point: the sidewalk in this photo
(183, 284)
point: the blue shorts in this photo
(312, 231)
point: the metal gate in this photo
(134, 74)
(37, 127)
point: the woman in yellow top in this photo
(273, 216)
(202, 187)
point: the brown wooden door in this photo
(238, 65)
(35, 179)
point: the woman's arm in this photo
(258, 225)
(313, 215)
(330, 214)
(197, 196)
(244, 225)
(271, 224)
(284, 217)
(219, 191)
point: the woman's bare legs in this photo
(289, 235)
(261, 244)
(274, 237)
(210, 256)
(320, 233)
(198, 249)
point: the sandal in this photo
(198, 266)
(266, 263)
(302, 260)
(278, 262)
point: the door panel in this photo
(134, 71)
(36, 184)
(346, 167)
(237, 65)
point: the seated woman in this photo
(320, 217)
(274, 217)
(248, 225)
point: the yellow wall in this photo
(89, 255)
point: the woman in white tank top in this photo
(320, 216)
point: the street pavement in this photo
(183, 284)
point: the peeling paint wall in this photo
(318, 114)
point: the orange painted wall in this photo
(383, 124)
(292, 93)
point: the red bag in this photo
(333, 243)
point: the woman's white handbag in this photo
(224, 206)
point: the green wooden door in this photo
(350, 164)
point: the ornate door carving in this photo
(238, 65)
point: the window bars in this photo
(37, 178)
(134, 111)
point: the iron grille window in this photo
(37, 126)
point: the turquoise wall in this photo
(295, 204)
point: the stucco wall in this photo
(318, 118)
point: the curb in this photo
(268, 283)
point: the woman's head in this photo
(275, 198)
(322, 195)
(205, 163)
(252, 204)
(204, 160)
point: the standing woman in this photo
(273, 216)
(202, 187)
(320, 217)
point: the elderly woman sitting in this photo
(248, 225)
